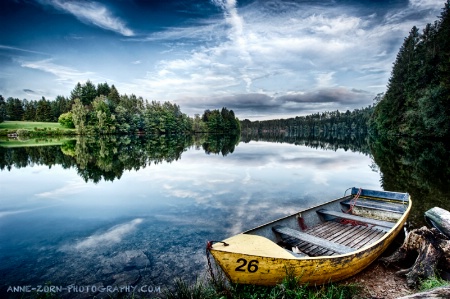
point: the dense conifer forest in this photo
(416, 102)
(325, 123)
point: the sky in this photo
(264, 59)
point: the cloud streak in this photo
(63, 73)
(92, 13)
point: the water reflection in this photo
(330, 141)
(420, 167)
(121, 210)
(68, 219)
(107, 158)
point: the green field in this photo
(33, 133)
(34, 129)
(30, 125)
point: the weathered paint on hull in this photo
(264, 270)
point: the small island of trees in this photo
(99, 110)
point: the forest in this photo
(325, 123)
(416, 102)
(99, 110)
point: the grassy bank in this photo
(289, 288)
(30, 129)
(30, 125)
(221, 288)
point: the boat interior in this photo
(339, 227)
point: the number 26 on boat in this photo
(247, 266)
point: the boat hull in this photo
(270, 267)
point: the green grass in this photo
(220, 288)
(290, 288)
(30, 125)
(29, 129)
(433, 282)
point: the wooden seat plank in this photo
(338, 248)
(376, 205)
(352, 236)
(366, 220)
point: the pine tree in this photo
(2, 109)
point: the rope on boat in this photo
(209, 245)
(353, 202)
(301, 223)
(350, 210)
(352, 222)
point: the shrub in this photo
(66, 120)
(23, 132)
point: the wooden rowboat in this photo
(325, 243)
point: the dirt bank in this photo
(380, 282)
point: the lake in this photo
(134, 212)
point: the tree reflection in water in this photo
(420, 167)
(106, 158)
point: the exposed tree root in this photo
(432, 250)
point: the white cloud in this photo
(63, 73)
(10, 48)
(425, 3)
(274, 53)
(93, 13)
(324, 80)
(8, 213)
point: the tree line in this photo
(41, 110)
(416, 102)
(101, 109)
(333, 123)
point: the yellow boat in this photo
(322, 244)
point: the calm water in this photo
(86, 218)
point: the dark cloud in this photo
(240, 101)
(262, 106)
(329, 95)
(30, 92)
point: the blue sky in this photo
(264, 59)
